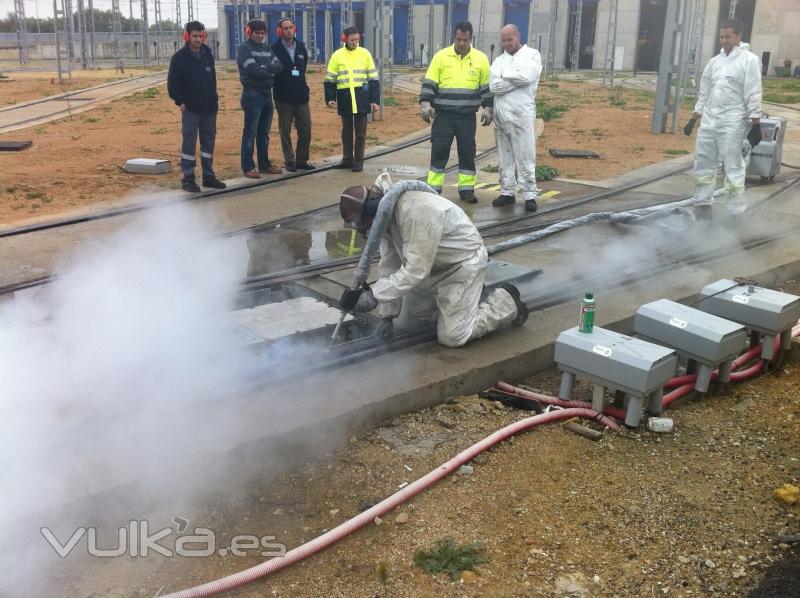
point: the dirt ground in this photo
(76, 162)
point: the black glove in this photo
(687, 130)
(366, 302)
(349, 298)
(384, 329)
(754, 136)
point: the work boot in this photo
(305, 166)
(214, 183)
(190, 186)
(348, 164)
(522, 309)
(467, 196)
(252, 174)
(503, 200)
(271, 169)
(289, 167)
(530, 205)
(704, 213)
(358, 166)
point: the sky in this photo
(205, 10)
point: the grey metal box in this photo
(762, 310)
(700, 336)
(614, 360)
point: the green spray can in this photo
(586, 320)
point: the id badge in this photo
(295, 72)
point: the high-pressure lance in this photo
(347, 302)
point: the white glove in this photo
(426, 111)
(487, 116)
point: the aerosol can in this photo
(586, 320)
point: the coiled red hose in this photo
(266, 568)
(616, 412)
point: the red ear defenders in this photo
(344, 37)
(247, 31)
(186, 36)
(278, 28)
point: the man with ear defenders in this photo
(291, 96)
(352, 85)
(192, 85)
(257, 69)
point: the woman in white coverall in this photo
(728, 100)
(433, 257)
(514, 77)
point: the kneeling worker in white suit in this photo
(513, 80)
(728, 101)
(432, 259)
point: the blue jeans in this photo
(192, 125)
(257, 109)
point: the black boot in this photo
(530, 205)
(191, 186)
(504, 200)
(522, 309)
(214, 183)
(468, 196)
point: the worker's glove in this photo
(687, 130)
(426, 111)
(754, 136)
(349, 298)
(487, 116)
(366, 302)
(384, 329)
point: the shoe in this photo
(271, 169)
(305, 166)
(468, 196)
(704, 213)
(504, 200)
(530, 205)
(522, 309)
(358, 167)
(289, 167)
(214, 183)
(190, 186)
(344, 164)
(252, 174)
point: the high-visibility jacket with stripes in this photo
(352, 81)
(457, 83)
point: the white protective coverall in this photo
(433, 260)
(513, 80)
(729, 95)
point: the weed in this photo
(46, 199)
(450, 557)
(11, 189)
(39, 130)
(597, 132)
(547, 112)
(782, 98)
(159, 131)
(383, 572)
(490, 168)
(74, 137)
(140, 121)
(545, 173)
(638, 148)
(90, 119)
(675, 152)
(34, 195)
(616, 99)
(391, 101)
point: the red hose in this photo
(548, 400)
(266, 568)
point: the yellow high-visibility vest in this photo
(458, 83)
(351, 69)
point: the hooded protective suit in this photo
(729, 95)
(433, 260)
(513, 80)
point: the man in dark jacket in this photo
(192, 84)
(257, 69)
(291, 96)
(352, 86)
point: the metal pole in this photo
(22, 30)
(58, 41)
(380, 42)
(611, 42)
(666, 69)
(91, 32)
(551, 38)
(575, 48)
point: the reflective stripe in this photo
(447, 91)
(434, 169)
(441, 102)
(188, 157)
(435, 179)
(249, 61)
(466, 180)
(205, 155)
(261, 54)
